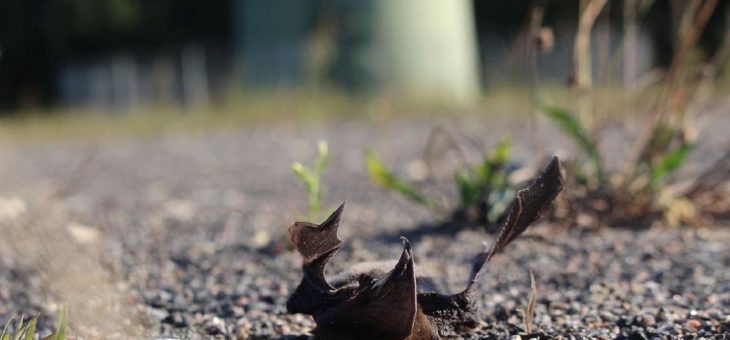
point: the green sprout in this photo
(311, 178)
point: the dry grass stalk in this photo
(582, 45)
(530, 312)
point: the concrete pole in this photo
(426, 49)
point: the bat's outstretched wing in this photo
(384, 308)
(529, 204)
(450, 312)
(317, 244)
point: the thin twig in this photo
(530, 312)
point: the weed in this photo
(635, 194)
(483, 188)
(642, 192)
(311, 178)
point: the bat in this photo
(375, 303)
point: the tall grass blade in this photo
(573, 128)
(669, 163)
(62, 328)
(386, 179)
(4, 334)
(19, 328)
(31, 328)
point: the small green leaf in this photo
(573, 128)
(669, 163)
(386, 179)
(301, 172)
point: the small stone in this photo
(606, 315)
(696, 324)
(215, 326)
(83, 234)
(158, 314)
(648, 320)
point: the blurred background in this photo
(122, 54)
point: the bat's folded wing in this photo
(317, 244)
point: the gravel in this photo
(189, 232)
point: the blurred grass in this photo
(302, 107)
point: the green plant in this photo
(483, 188)
(22, 331)
(311, 178)
(27, 331)
(637, 190)
(642, 192)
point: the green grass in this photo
(479, 184)
(573, 128)
(27, 331)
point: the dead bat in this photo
(374, 304)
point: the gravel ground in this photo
(185, 235)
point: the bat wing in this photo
(529, 204)
(383, 307)
(317, 244)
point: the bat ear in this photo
(530, 203)
(385, 307)
(317, 244)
